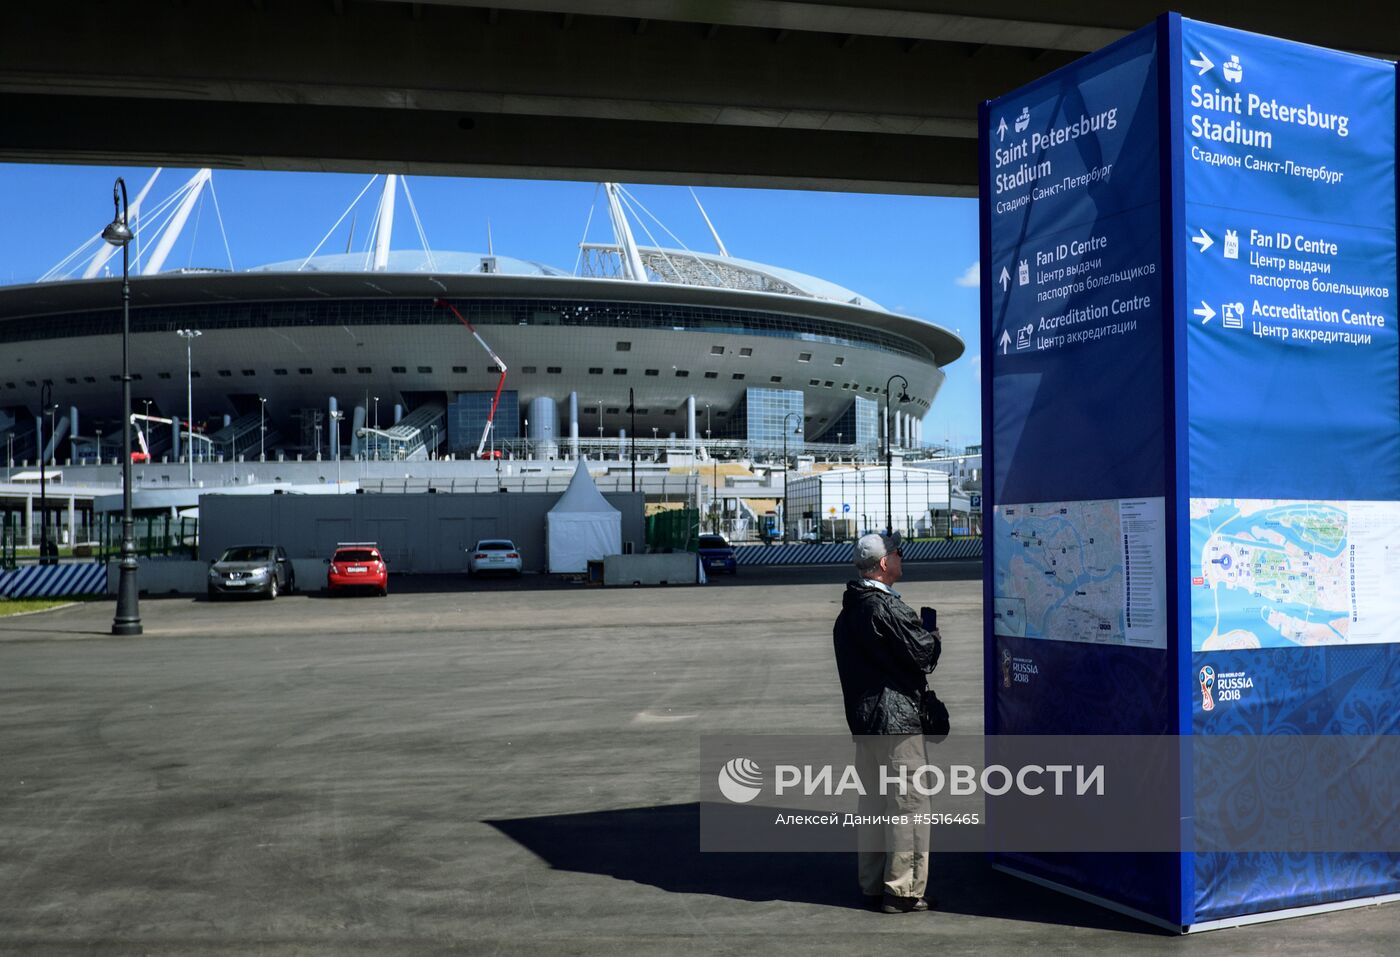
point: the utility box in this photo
(677, 568)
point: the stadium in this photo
(350, 355)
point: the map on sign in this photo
(1081, 571)
(1269, 573)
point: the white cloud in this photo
(972, 277)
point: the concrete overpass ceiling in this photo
(877, 95)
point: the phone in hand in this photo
(929, 617)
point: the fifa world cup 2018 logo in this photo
(1005, 668)
(1207, 683)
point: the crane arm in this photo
(500, 364)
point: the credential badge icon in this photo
(1207, 683)
(1023, 336)
(1232, 315)
(1232, 244)
(1023, 119)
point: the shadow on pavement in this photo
(660, 846)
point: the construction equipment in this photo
(500, 383)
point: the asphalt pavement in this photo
(493, 767)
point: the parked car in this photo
(494, 555)
(357, 566)
(252, 570)
(717, 554)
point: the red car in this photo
(357, 565)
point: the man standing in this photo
(882, 655)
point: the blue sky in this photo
(913, 254)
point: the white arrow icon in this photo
(1001, 130)
(1004, 278)
(1205, 312)
(1203, 240)
(1203, 63)
(1005, 341)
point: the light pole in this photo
(10, 456)
(47, 555)
(376, 428)
(785, 466)
(336, 416)
(317, 429)
(432, 452)
(262, 429)
(127, 620)
(903, 397)
(632, 408)
(189, 335)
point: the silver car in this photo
(251, 570)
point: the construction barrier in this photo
(45, 581)
(840, 553)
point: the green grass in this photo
(17, 606)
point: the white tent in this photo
(581, 526)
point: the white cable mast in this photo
(713, 232)
(384, 229)
(133, 214)
(177, 222)
(632, 267)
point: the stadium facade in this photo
(342, 355)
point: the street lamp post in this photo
(903, 397)
(48, 555)
(432, 452)
(262, 429)
(189, 335)
(376, 428)
(785, 466)
(127, 620)
(632, 408)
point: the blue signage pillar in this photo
(1192, 425)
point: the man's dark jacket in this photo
(882, 655)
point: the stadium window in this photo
(529, 370)
(87, 378)
(425, 370)
(303, 371)
(804, 357)
(249, 372)
(338, 370)
(34, 384)
(746, 352)
(738, 375)
(279, 371)
(595, 370)
(624, 346)
(643, 411)
(193, 375)
(839, 361)
(775, 378)
(613, 410)
(398, 369)
(670, 411)
(365, 370)
(71, 380)
(653, 372)
(716, 350)
(9, 385)
(814, 381)
(828, 383)
(619, 372)
(223, 374)
(162, 375)
(460, 370)
(554, 370)
(712, 375)
(682, 373)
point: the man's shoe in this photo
(903, 905)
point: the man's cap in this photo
(873, 547)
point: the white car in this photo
(494, 555)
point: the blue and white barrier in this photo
(806, 554)
(46, 581)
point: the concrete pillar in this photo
(358, 420)
(228, 420)
(333, 406)
(544, 427)
(573, 425)
(398, 412)
(690, 421)
(72, 432)
(72, 521)
(175, 438)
